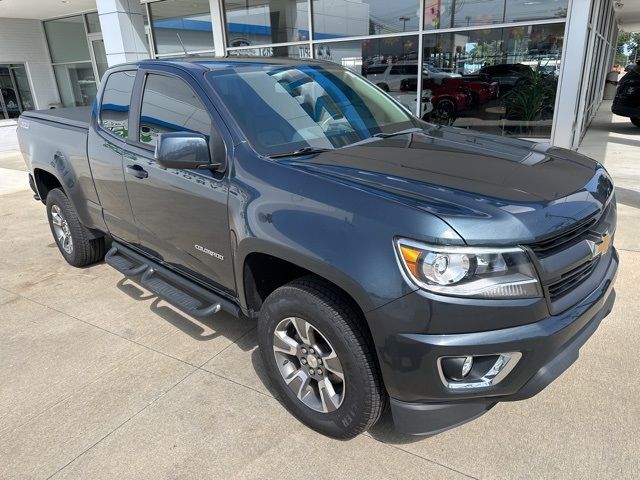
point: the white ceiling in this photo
(41, 9)
(628, 14)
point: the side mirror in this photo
(185, 150)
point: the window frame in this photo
(100, 95)
(141, 82)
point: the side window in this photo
(169, 105)
(114, 109)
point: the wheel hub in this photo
(309, 364)
(312, 361)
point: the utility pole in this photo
(404, 21)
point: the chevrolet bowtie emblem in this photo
(601, 247)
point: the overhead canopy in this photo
(39, 9)
(628, 14)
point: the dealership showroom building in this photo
(470, 54)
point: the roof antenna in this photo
(182, 44)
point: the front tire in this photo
(73, 239)
(635, 121)
(319, 358)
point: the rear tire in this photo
(312, 327)
(73, 239)
(635, 121)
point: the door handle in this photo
(137, 171)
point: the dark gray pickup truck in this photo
(387, 261)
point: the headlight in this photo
(469, 271)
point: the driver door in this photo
(181, 215)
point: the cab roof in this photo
(213, 63)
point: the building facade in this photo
(516, 68)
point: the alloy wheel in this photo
(309, 364)
(61, 229)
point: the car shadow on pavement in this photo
(194, 328)
(383, 431)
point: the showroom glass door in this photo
(99, 55)
(15, 92)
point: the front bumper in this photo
(421, 403)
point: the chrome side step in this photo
(175, 289)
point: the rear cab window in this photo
(116, 101)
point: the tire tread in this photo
(86, 250)
(350, 324)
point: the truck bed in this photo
(75, 116)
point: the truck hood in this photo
(491, 190)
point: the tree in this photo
(628, 48)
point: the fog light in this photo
(456, 368)
(476, 371)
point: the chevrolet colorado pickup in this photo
(388, 261)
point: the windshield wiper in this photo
(381, 135)
(308, 150)
(401, 132)
(301, 151)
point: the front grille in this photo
(566, 265)
(557, 243)
(571, 280)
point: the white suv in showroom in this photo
(389, 76)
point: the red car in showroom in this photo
(452, 95)
(449, 97)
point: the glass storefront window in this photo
(181, 22)
(266, 21)
(76, 83)
(22, 85)
(348, 18)
(463, 13)
(67, 40)
(100, 56)
(93, 23)
(501, 81)
(389, 63)
(15, 93)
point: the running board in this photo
(175, 289)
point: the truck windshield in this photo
(286, 108)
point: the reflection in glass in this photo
(186, 21)
(266, 21)
(67, 39)
(169, 105)
(389, 63)
(508, 76)
(116, 98)
(465, 13)
(347, 18)
(283, 108)
(292, 51)
(76, 84)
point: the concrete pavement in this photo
(99, 379)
